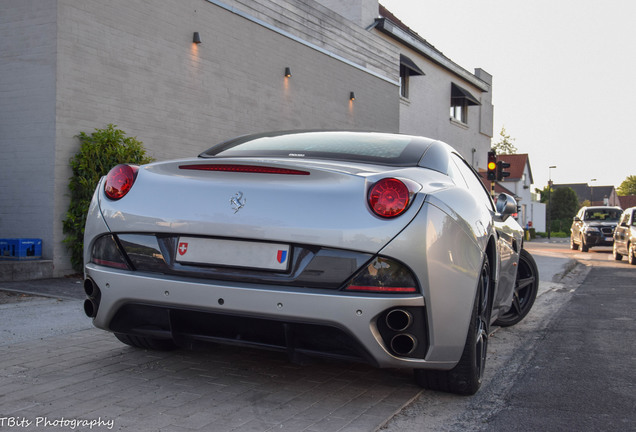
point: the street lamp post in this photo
(549, 197)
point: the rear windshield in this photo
(602, 214)
(377, 148)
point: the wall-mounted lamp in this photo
(287, 72)
(352, 96)
(196, 38)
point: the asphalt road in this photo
(570, 365)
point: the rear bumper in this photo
(188, 310)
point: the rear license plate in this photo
(233, 253)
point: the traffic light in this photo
(492, 166)
(500, 170)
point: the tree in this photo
(505, 144)
(628, 187)
(563, 207)
(564, 204)
(544, 193)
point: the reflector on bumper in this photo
(106, 252)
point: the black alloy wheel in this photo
(573, 244)
(617, 256)
(584, 247)
(526, 288)
(482, 323)
(465, 378)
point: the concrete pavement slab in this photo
(224, 388)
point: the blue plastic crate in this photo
(20, 248)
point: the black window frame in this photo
(460, 100)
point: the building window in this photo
(404, 82)
(408, 68)
(461, 99)
(459, 111)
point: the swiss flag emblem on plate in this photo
(281, 256)
(183, 248)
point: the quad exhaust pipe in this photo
(399, 321)
(90, 288)
(90, 308)
(403, 344)
(91, 304)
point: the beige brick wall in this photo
(68, 66)
(27, 119)
(133, 63)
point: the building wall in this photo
(132, 63)
(522, 189)
(536, 215)
(27, 119)
(426, 111)
(335, 25)
(69, 66)
(361, 12)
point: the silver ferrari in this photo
(372, 247)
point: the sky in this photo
(564, 77)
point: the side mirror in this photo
(576, 219)
(506, 206)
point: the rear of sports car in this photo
(313, 257)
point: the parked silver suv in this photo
(625, 237)
(594, 226)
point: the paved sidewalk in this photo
(89, 375)
(68, 288)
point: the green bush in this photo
(561, 225)
(555, 234)
(559, 234)
(99, 152)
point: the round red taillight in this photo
(389, 197)
(119, 181)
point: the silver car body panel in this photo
(277, 208)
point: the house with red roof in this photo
(627, 201)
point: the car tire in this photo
(526, 288)
(631, 254)
(615, 253)
(146, 342)
(465, 378)
(573, 244)
(584, 247)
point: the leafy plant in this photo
(99, 152)
(628, 186)
(505, 145)
(564, 204)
